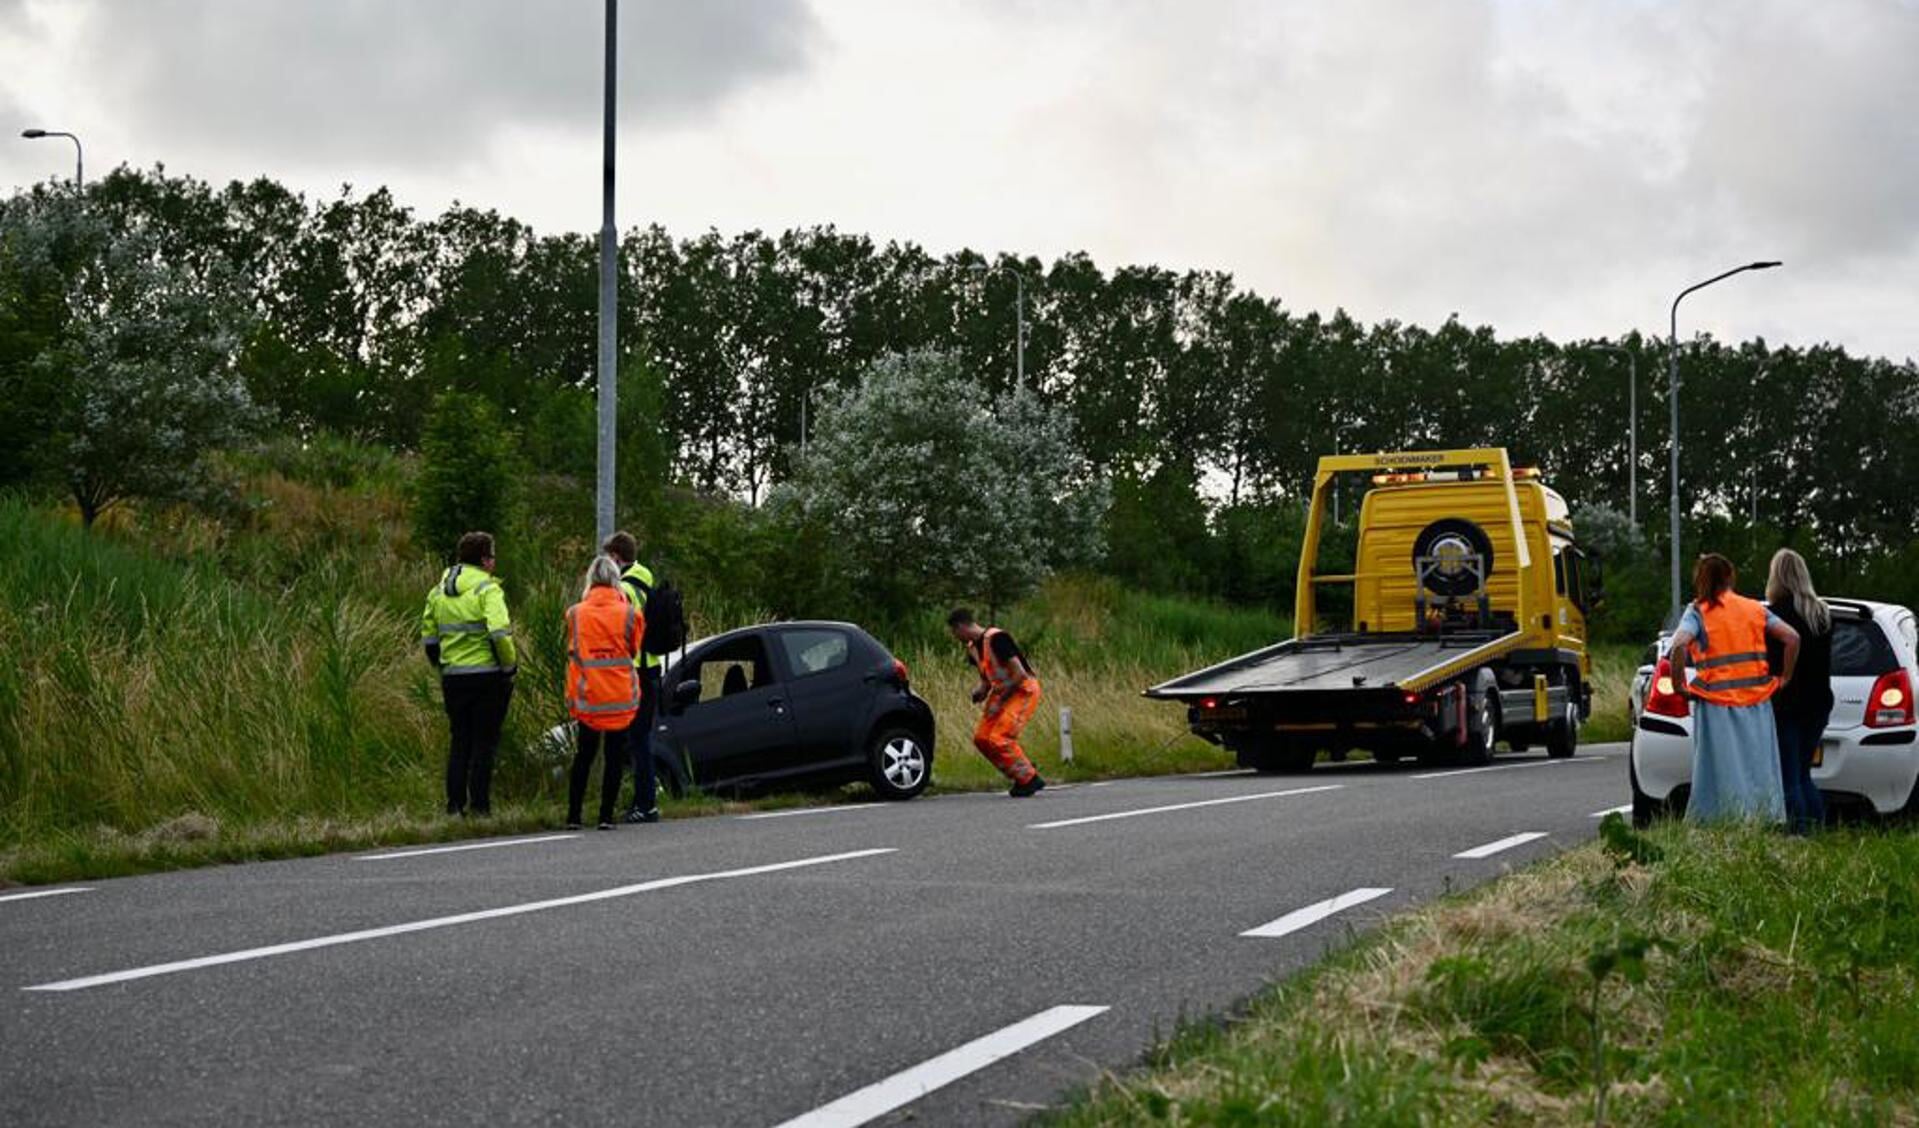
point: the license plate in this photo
(1230, 714)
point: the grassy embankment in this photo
(235, 682)
(1724, 977)
(186, 689)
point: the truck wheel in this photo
(1562, 737)
(1482, 731)
(1278, 757)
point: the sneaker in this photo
(1030, 787)
(573, 826)
(606, 824)
(638, 816)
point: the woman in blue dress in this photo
(1735, 746)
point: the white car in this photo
(1870, 751)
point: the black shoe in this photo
(635, 815)
(606, 824)
(573, 826)
(1030, 787)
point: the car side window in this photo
(811, 652)
(734, 667)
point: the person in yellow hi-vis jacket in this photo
(469, 638)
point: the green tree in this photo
(929, 489)
(137, 356)
(469, 472)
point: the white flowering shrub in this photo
(929, 490)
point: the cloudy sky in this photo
(1556, 166)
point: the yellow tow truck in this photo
(1468, 626)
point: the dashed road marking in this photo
(1137, 812)
(1507, 843)
(909, 1085)
(37, 893)
(1312, 914)
(462, 847)
(439, 922)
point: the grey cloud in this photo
(422, 81)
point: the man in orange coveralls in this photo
(1009, 692)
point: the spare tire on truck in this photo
(1453, 538)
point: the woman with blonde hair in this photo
(1735, 748)
(603, 632)
(1801, 707)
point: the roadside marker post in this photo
(1065, 734)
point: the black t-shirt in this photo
(1006, 649)
(1809, 694)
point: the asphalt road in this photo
(744, 970)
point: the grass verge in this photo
(1682, 977)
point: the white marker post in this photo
(1065, 734)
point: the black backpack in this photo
(665, 619)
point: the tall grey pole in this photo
(79, 171)
(1019, 359)
(1632, 430)
(609, 294)
(1672, 397)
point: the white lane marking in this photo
(439, 922)
(1622, 809)
(465, 846)
(1511, 767)
(1313, 914)
(46, 893)
(1490, 768)
(909, 1085)
(1491, 848)
(1183, 806)
(1104, 783)
(833, 810)
(1221, 774)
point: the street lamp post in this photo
(1019, 285)
(609, 298)
(1672, 396)
(1632, 430)
(37, 134)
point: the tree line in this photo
(1203, 403)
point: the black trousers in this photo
(639, 741)
(475, 713)
(591, 741)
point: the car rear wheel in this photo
(1644, 807)
(900, 764)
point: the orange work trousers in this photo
(997, 736)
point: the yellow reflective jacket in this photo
(466, 616)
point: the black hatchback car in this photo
(792, 704)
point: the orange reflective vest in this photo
(603, 633)
(1000, 677)
(1732, 666)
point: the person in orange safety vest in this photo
(603, 633)
(1735, 749)
(1008, 693)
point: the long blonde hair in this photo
(603, 572)
(1789, 578)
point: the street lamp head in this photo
(33, 134)
(1764, 265)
